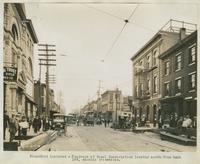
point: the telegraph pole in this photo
(99, 97)
(39, 99)
(116, 98)
(46, 52)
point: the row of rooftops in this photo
(172, 26)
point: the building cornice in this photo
(27, 21)
(156, 36)
(31, 30)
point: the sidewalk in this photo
(30, 142)
(30, 133)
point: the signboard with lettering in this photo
(10, 74)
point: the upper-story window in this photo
(192, 54)
(178, 86)
(136, 91)
(148, 61)
(111, 97)
(166, 89)
(192, 81)
(15, 33)
(155, 84)
(30, 67)
(142, 87)
(178, 62)
(14, 59)
(167, 67)
(155, 57)
(148, 85)
(141, 62)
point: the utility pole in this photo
(99, 98)
(116, 98)
(39, 112)
(45, 50)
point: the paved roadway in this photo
(99, 138)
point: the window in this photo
(136, 91)
(155, 84)
(155, 57)
(141, 63)
(167, 68)
(178, 59)
(192, 54)
(141, 86)
(166, 87)
(178, 86)
(14, 32)
(30, 69)
(111, 97)
(148, 61)
(192, 81)
(148, 85)
(14, 59)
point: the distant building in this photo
(147, 81)
(40, 99)
(111, 104)
(126, 110)
(179, 78)
(18, 55)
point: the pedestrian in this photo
(29, 120)
(160, 122)
(143, 120)
(39, 123)
(46, 124)
(36, 124)
(24, 126)
(108, 122)
(13, 128)
(105, 123)
(43, 123)
(77, 122)
(6, 122)
(180, 122)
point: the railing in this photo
(176, 25)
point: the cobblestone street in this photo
(98, 138)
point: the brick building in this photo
(179, 78)
(147, 81)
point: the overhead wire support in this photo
(126, 21)
(120, 18)
(47, 50)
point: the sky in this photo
(91, 47)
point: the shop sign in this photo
(10, 74)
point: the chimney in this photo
(182, 33)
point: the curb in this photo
(36, 142)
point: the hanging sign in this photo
(10, 74)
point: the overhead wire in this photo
(120, 18)
(133, 12)
(104, 12)
(116, 39)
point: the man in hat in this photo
(6, 122)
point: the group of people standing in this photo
(18, 126)
(15, 125)
(180, 122)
